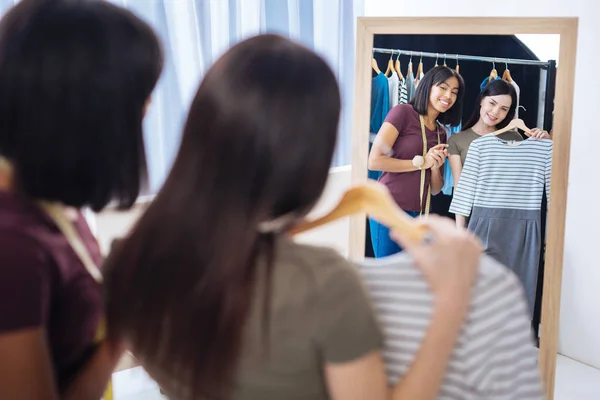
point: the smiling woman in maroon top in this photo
(398, 147)
(75, 79)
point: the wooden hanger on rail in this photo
(493, 73)
(397, 66)
(515, 123)
(390, 66)
(373, 199)
(506, 76)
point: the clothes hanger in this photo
(515, 123)
(409, 70)
(506, 76)
(419, 71)
(436, 59)
(493, 73)
(445, 60)
(457, 66)
(390, 65)
(397, 67)
(374, 199)
(374, 65)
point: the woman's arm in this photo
(91, 382)
(380, 157)
(25, 366)
(456, 167)
(437, 180)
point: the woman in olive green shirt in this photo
(495, 109)
(213, 297)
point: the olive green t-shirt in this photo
(459, 143)
(319, 313)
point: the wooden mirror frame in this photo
(367, 27)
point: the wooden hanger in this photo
(374, 199)
(419, 71)
(493, 73)
(390, 66)
(375, 66)
(506, 76)
(397, 66)
(515, 123)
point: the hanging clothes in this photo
(410, 85)
(402, 91)
(380, 106)
(448, 178)
(393, 85)
(501, 189)
(497, 329)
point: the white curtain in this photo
(197, 32)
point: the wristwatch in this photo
(418, 162)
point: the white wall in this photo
(580, 309)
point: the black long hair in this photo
(257, 146)
(75, 78)
(494, 88)
(435, 77)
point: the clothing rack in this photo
(446, 56)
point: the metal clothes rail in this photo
(447, 56)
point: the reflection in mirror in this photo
(459, 126)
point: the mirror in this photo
(473, 90)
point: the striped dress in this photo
(494, 358)
(501, 188)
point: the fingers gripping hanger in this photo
(374, 199)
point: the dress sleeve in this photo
(464, 193)
(397, 116)
(24, 283)
(346, 327)
(453, 146)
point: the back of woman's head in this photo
(436, 77)
(75, 77)
(257, 146)
(495, 88)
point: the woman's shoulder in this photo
(315, 266)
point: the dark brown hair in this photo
(435, 77)
(494, 88)
(75, 77)
(257, 145)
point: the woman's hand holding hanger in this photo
(538, 133)
(436, 156)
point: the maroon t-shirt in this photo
(43, 283)
(405, 186)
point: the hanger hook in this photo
(398, 57)
(411, 54)
(457, 59)
(494, 64)
(506, 63)
(444, 58)
(421, 59)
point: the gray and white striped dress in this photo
(494, 358)
(501, 187)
